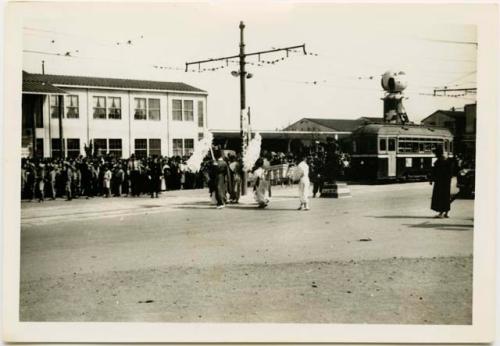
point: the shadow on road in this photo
(208, 205)
(402, 217)
(443, 226)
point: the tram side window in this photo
(382, 144)
(392, 144)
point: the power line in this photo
(126, 42)
(449, 41)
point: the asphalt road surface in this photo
(378, 257)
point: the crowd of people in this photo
(106, 176)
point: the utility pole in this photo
(43, 66)
(244, 75)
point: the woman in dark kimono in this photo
(220, 168)
(441, 177)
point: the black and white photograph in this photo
(288, 165)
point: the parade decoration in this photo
(252, 153)
(394, 83)
(203, 147)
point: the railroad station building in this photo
(63, 115)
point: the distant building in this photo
(341, 125)
(462, 125)
(63, 114)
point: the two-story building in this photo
(63, 115)
(462, 125)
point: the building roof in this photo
(116, 83)
(450, 113)
(405, 130)
(336, 124)
(34, 87)
(344, 125)
(373, 120)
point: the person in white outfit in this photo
(304, 184)
(260, 187)
(107, 182)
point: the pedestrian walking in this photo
(107, 181)
(119, 179)
(51, 177)
(441, 178)
(40, 183)
(304, 184)
(155, 173)
(236, 172)
(316, 175)
(135, 175)
(221, 170)
(261, 189)
(68, 176)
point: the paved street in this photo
(378, 257)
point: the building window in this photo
(115, 108)
(39, 147)
(99, 107)
(140, 109)
(54, 106)
(200, 114)
(200, 136)
(154, 109)
(177, 147)
(188, 110)
(115, 147)
(188, 146)
(72, 107)
(177, 110)
(56, 147)
(141, 148)
(73, 145)
(100, 146)
(154, 147)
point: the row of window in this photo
(110, 107)
(402, 145)
(113, 146)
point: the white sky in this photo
(351, 42)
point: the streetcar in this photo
(396, 151)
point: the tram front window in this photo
(382, 144)
(392, 144)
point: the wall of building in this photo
(470, 119)
(441, 120)
(86, 127)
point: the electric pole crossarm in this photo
(460, 89)
(210, 60)
(303, 46)
(445, 90)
